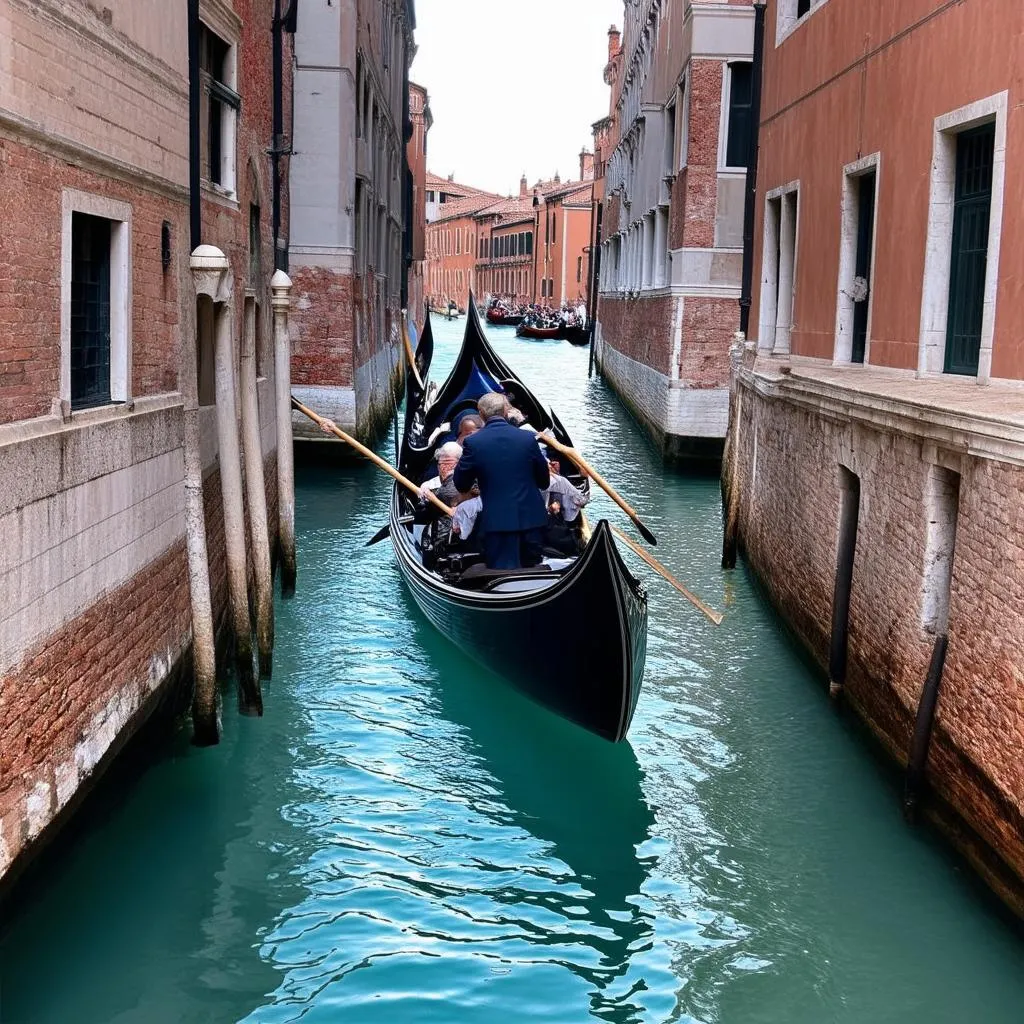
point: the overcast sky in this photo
(514, 85)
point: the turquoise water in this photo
(403, 839)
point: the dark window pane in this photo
(740, 114)
(90, 311)
(802, 7)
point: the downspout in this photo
(279, 146)
(195, 199)
(595, 277)
(730, 456)
(749, 205)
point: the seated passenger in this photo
(570, 499)
(442, 485)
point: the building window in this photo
(90, 311)
(961, 270)
(95, 311)
(856, 260)
(972, 211)
(255, 247)
(791, 14)
(778, 270)
(217, 64)
(529, 243)
(741, 112)
(579, 269)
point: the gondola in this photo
(570, 633)
(498, 319)
(424, 355)
(538, 333)
(576, 335)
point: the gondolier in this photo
(507, 465)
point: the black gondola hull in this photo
(575, 641)
(521, 637)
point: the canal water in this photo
(403, 839)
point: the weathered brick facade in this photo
(97, 630)
(792, 445)
(672, 219)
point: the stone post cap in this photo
(281, 290)
(208, 257)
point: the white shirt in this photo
(572, 498)
(465, 517)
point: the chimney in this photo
(586, 165)
(524, 188)
(557, 180)
(451, 177)
(614, 38)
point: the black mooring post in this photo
(844, 583)
(918, 760)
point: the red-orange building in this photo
(534, 247)
(879, 415)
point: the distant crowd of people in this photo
(539, 314)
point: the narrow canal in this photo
(402, 839)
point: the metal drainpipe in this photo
(749, 205)
(230, 459)
(194, 128)
(281, 289)
(255, 490)
(278, 146)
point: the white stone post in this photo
(213, 273)
(205, 710)
(281, 290)
(256, 494)
(787, 255)
(660, 249)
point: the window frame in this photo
(222, 91)
(120, 214)
(726, 115)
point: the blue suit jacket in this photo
(508, 465)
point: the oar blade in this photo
(382, 534)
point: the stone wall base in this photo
(795, 461)
(687, 425)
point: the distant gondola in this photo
(539, 333)
(570, 633)
(496, 318)
(576, 335)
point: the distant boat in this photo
(532, 331)
(496, 318)
(508, 619)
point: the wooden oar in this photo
(715, 617)
(601, 482)
(373, 457)
(410, 355)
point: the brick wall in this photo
(640, 328)
(708, 328)
(31, 187)
(81, 690)
(321, 326)
(701, 183)
(790, 508)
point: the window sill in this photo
(222, 196)
(40, 426)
